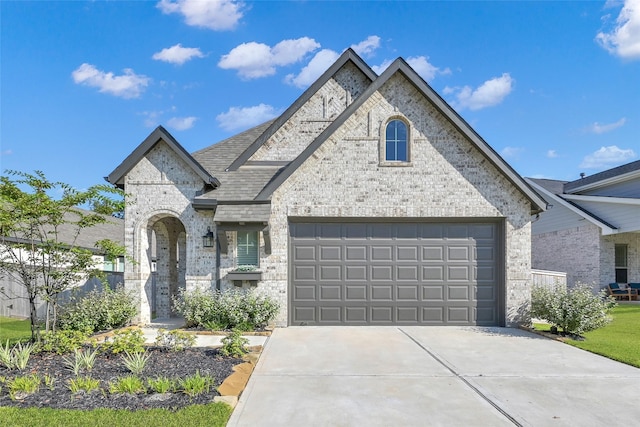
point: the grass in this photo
(213, 414)
(618, 340)
(14, 330)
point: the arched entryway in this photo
(166, 256)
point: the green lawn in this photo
(213, 414)
(14, 330)
(619, 340)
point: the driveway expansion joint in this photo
(463, 379)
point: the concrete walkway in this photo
(433, 376)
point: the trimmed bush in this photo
(575, 310)
(227, 309)
(98, 311)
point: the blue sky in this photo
(554, 87)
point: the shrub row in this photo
(245, 310)
(98, 311)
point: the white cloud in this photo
(181, 123)
(624, 39)
(254, 60)
(552, 154)
(490, 93)
(314, 69)
(604, 128)
(216, 15)
(244, 117)
(607, 157)
(6, 152)
(128, 85)
(420, 64)
(511, 152)
(178, 54)
(367, 47)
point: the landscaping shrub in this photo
(575, 310)
(234, 344)
(98, 311)
(175, 340)
(226, 309)
(62, 341)
(125, 340)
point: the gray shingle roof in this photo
(610, 173)
(243, 213)
(551, 185)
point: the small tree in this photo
(575, 311)
(39, 236)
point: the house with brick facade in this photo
(591, 230)
(369, 201)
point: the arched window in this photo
(396, 143)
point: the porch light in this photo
(207, 239)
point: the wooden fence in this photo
(548, 278)
(14, 301)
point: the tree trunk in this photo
(33, 312)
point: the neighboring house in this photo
(13, 298)
(592, 227)
(368, 201)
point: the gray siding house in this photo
(592, 227)
(368, 201)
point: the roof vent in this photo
(582, 174)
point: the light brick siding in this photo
(159, 193)
(585, 255)
(448, 179)
(314, 117)
(575, 251)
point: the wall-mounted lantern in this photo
(207, 239)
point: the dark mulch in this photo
(109, 367)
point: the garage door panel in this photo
(356, 293)
(382, 314)
(304, 253)
(330, 272)
(330, 293)
(304, 272)
(407, 272)
(458, 292)
(433, 273)
(381, 293)
(407, 292)
(356, 314)
(395, 273)
(330, 253)
(356, 253)
(458, 272)
(433, 293)
(330, 314)
(356, 272)
(381, 272)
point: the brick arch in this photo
(162, 259)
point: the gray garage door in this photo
(395, 273)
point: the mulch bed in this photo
(109, 367)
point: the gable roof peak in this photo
(159, 134)
(348, 56)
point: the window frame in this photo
(239, 244)
(621, 264)
(383, 142)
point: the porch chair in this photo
(618, 293)
(634, 287)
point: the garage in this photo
(396, 273)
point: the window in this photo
(247, 248)
(396, 141)
(621, 263)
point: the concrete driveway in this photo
(433, 376)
